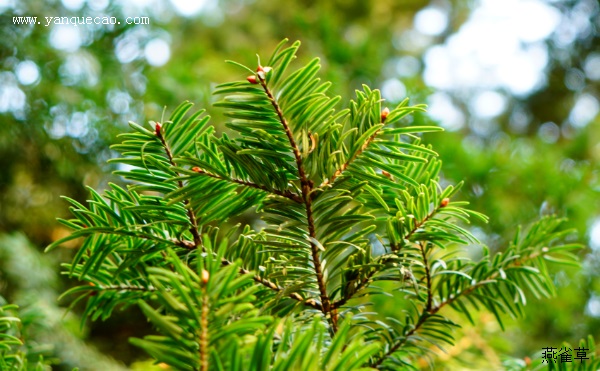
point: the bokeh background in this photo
(516, 84)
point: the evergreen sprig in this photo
(349, 199)
(14, 354)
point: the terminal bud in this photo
(384, 114)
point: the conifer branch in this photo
(307, 187)
(429, 310)
(419, 224)
(263, 281)
(361, 285)
(427, 277)
(394, 248)
(273, 286)
(287, 193)
(345, 166)
(399, 344)
(490, 279)
(190, 211)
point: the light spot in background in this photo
(467, 72)
(408, 66)
(568, 165)
(118, 101)
(591, 66)
(584, 111)
(530, 20)
(80, 68)
(442, 109)
(127, 49)
(575, 79)
(595, 235)
(139, 81)
(523, 72)
(188, 8)
(159, 11)
(549, 132)
(500, 46)
(355, 34)
(73, 5)
(78, 125)
(533, 20)
(438, 68)
(139, 4)
(393, 90)
(474, 145)
(97, 5)
(412, 41)
(213, 15)
(575, 23)
(488, 104)
(484, 127)
(519, 120)
(431, 21)
(75, 125)
(12, 99)
(65, 37)
(592, 308)
(58, 129)
(129, 46)
(27, 72)
(157, 52)
(6, 4)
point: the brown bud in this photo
(196, 169)
(259, 68)
(205, 276)
(384, 114)
(252, 79)
(385, 173)
(157, 128)
(92, 293)
(445, 202)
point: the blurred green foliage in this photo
(537, 158)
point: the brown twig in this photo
(287, 193)
(394, 248)
(418, 225)
(307, 187)
(343, 168)
(190, 211)
(428, 306)
(203, 341)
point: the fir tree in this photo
(352, 205)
